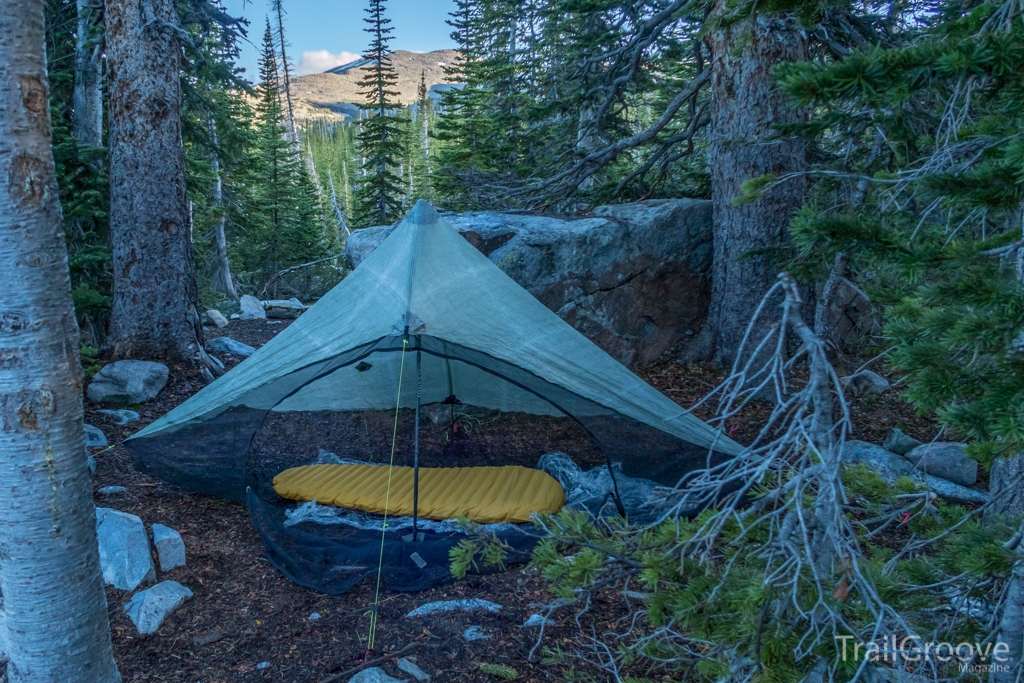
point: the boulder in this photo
(94, 438)
(374, 675)
(124, 550)
(128, 382)
(899, 443)
(891, 467)
(865, 383)
(467, 605)
(149, 608)
(283, 308)
(229, 346)
(170, 549)
(119, 417)
(252, 309)
(946, 460)
(217, 318)
(634, 278)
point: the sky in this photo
(327, 33)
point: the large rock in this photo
(634, 278)
(124, 549)
(128, 382)
(283, 308)
(374, 675)
(865, 383)
(252, 309)
(149, 608)
(170, 549)
(947, 460)
(229, 346)
(119, 417)
(94, 438)
(217, 318)
(899, 443)
(891, 467)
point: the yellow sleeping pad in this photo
(483, 494)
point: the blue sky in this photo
(326, 33)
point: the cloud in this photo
(317, 61)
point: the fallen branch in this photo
(292, 269)
(372, 662)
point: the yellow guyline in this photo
(383, 529)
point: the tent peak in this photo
(423, 214)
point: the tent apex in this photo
(423, 213)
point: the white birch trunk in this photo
(56, 607)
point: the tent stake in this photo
(416, 450)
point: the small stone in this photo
(374, 675)
(314, 616)
(235, 316)
(899, 443)
(149, 608)
(413, 670)
(92, 464)
(94, 438)
(128, 382)
(865, 383)
(536, 621)
(217, 318)
(169, 547)
(468, 605)
(111, 491)
(119, 417)
(208, 637)
(124, 549)
(946, 460)
(252, 309)
(262, 665)
(229, 346)
(474, 633)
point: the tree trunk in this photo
(88, 98)
(223, 276)
(1010, 629)
(744, 146)
(52, 587)
(155, 312)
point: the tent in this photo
(427, 353)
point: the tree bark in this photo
(746, 107)
(52, 587)
(220, 237)
(87, 123)
(155, 309)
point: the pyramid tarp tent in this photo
(479, 340)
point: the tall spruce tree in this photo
(284, 227)
(383, 137)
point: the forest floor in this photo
(248, 623)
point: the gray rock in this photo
(899, 443)
(865, 383)
(634, 278)
(94, 438)
(252, 309)
(536, 621)
(119, 417)
(111, 491)
(467, 605)
(149, 608)
(891, 467)
(413, 670)
(946, 460)
(283, 308)
(124, 550)
(128, 382)
(217, 318)
(474, 633)
(262, 665)
(374, 675)
(92, 464)
(314, 616)
(170, 549)
(3, 637)
(229, 346)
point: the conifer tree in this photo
(382, 137)
(284, 227)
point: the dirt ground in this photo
(248, 623)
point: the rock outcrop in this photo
(634, 278)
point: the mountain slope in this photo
(332, 95)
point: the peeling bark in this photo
(747, 106)
(52, 588)
(155, 309)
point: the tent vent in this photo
(363, 366)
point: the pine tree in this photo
(284, 227)
(382, 138)
(420, 151)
